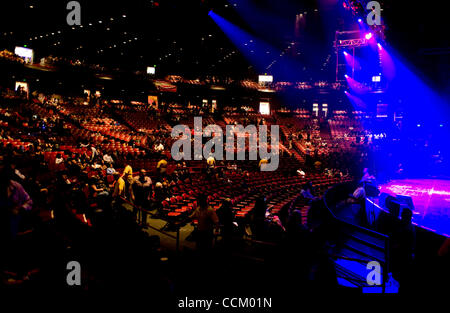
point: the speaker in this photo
(405, 202)
(382, 199)
(371, 190)
(393, 206)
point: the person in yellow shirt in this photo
(211, 161)
(128, 174)
(119, 186)
(123, 185)
(162, 166)
(262, 163)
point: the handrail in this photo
(335, 256)
(364, 230)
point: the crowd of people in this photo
(45, 171)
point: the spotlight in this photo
(359, 20)
(379, 46)
(368, 36)
(345, 52)
(346, 75)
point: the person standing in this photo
(226, 218)
(207, 221)
(142, 189)
(162, 167)
(14, 202)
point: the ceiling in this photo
(178, 36)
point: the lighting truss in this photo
(350, 43)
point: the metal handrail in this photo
(370, 232)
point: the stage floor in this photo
(431, 199)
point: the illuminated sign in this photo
(264, 108)
(25, 53)
(265, 78)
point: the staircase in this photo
(325, 131)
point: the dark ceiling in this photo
(179, 37)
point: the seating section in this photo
(128, 140)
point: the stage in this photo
(431, 199)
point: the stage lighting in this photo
(345, 52)
(368, 36)
(346, 75)
(359, 20)
(379, 46)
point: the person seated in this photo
(110, 169)
(307, 191)
(108, 159)
(367, 177)
(301, 173)
(59, 159)
(211, 161)
(159, 148)
(359, 195)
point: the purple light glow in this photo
(379, 46)
(368, 36)
(356, 87)
(388, 67)
(431, 199)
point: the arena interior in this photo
(224, 155)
